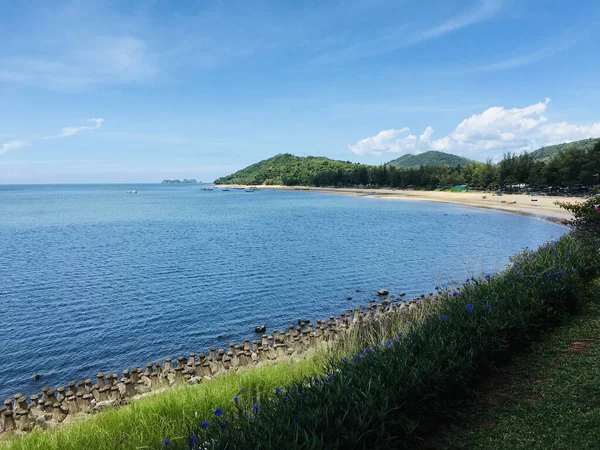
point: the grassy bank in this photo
(145, 423)
(547, 399)
(386, 384)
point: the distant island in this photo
(185, 181)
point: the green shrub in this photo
(586, 221)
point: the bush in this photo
(586, 222)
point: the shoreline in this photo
(542, 207)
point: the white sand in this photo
(542, 207)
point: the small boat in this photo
(207, 189)
(132, 192)
(225, 190)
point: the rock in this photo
(225, 336)
(37, 377)
(357, 290)
(382, 292)
(260, 329)
(402, 294)
(300, 321)
(372, 300)
(348, 298)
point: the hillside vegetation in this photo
(574, 164)
(429, 159)
(287, 170)
(553, 150)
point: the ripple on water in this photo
(96, 280)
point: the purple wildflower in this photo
(368, 351)
(255, 407)
(166, 442)
(278, 390)
(455, 294)
(356, 357)
(223, 424)
(236, 400)
(444, 317)
(194, 441)
(388, 343)
(470, 307)
(204, 425)
(489, 308)
(251, 417)
(218, 412)
(345, 358)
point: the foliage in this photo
(576, 164)
(586, 221)
(431, 159)
(167, 414)
(390, 393)
(553, 150)
(290, 170)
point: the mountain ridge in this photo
(430, 158)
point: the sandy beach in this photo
(541, 207)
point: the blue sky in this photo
(124, 91)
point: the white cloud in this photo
(495, 130)
(12, 145)
(70, 131)
(392, 141)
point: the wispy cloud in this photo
(402, 36)
(496, 129)
(70, 131)
(12, 145)
(65, 132)
(514, 62)
(96, 60)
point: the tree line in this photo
(572, 167)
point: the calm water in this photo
(93, 279)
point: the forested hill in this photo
(428, 159)
(553, 150)
(288, 170)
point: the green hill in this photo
(429, 159)
(553, 150)
(287, 169)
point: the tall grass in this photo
(173, 413)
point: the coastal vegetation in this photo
(429, 159)
(564, 167)
(387, 383)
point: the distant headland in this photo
(185, 181)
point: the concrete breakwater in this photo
(76, 400)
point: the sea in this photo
(93, 278)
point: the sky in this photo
(127, 91)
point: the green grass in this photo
(146, 422)
(548, 398)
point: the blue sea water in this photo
(94, 279)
